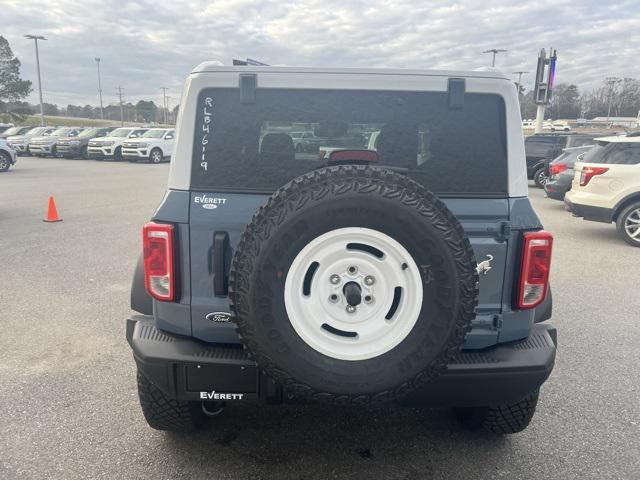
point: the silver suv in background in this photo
(76, 146)
(13, 131)
(20, 143)
(46, 144)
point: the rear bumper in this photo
(595, 214)
(188, 369)
(556, 189)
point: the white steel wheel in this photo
(353, 293)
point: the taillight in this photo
(157, 241)
(556, 168)
(589, 172)
(534, 271)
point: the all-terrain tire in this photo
(164, 413)
(627, 220)
(502, 419)
(364, 197)
(117, 154)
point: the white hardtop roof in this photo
(480, 73)
(618, 139)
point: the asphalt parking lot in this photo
(68, 402)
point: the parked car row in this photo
(542, 148)
(554, 126)
(132, 143)
(601, 183)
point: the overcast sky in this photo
(146, 45)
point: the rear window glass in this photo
(259, 147)
(580, 141)
(617, 153)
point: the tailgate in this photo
(484, 221)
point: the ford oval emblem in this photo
(218, 317)
(209, 206)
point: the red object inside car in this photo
(367, 156)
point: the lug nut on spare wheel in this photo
(369, 280)
(334, 279)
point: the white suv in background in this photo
(154, 146)
(606, 186)
(101, 148)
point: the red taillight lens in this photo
(589, 172)
(157, 242)
(557, 168)
(534, 271)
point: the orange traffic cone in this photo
(52, 212)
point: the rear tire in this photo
(502, 419)
(628, 224)
(164, 413)
(540, 177)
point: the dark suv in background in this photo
(542, 148)
(76, 147)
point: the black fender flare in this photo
(141, 301)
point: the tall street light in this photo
(612, 82)
(36, 38)
(495, 51)
(520, 73)
(100, 88)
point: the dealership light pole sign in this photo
(545, 76)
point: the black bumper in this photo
(595, 214)
(188, 369)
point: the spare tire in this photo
(353, 284)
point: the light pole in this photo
(100, 89)
(494, 51)
(36, 38)
(120, 91)
(519, 81)
(611, 81)
(164, 103)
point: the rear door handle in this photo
(221, 263)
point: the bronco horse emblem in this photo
(484, 266)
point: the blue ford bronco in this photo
(396, 260)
